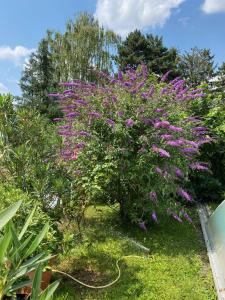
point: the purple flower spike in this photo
(54, 95)
(127, 84)
(120, 113)
(176, 129)
(184, 194)
(199, 167)
(142, 226)
(151, 91)
(154, 217)
(129, 122)
(158, 171)
(153, 195)
(84, 133)
(163, 124)
(110, 122)
(189, 150)
(144, 95)
(178, 172)
(176, 217)
(159, 110)
(73, 115)
(161, 152)
(114, 99)
(165, 76)
(166, 136)
(120, 76)
(95, 115)
(57, 119)
(187, 217)
(81, 145)
(176, 143)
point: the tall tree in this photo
(149, 49)
(132, 51)
(84, 47)
(197, 66)
(76, 54)
(221, 77)
(38, 79)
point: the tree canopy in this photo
(138, 48)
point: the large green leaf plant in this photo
(18, 257)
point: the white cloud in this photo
(17, 54)
(3, 89)
(124, 16)
(213, 6)
(184, 21)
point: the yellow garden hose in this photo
(100, 286)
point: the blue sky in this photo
(182, 23)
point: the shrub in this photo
(211, 186)
(10, 195)
(131, 141)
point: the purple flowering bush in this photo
(131, 141)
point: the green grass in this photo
(176, 267)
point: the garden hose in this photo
(100, 286)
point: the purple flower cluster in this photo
(175, 129)
(129, 122)
(175, 143)
(163, 124)
(153, 197)
(184, 194)
(161, 152)
(199, 166)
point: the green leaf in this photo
(36, 242)
(29, 266)
(7, 214)
(49, 291)
(4, 243)
(19, 250)
(27, 223)
(20, 285)
(36, 283)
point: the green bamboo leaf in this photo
(4, 243)
(36, 283)
(36, 242)
(49, 291)
(27, 223)
(7, 214)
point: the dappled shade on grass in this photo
(175, 268)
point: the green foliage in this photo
(37, 80)
(148, 49)
(18, 254)
(211, 186)
(197, 66)
(84, 47)
(9, 195)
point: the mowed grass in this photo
(176, 266)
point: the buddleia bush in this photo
(131, 141)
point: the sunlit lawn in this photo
(176, 267)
